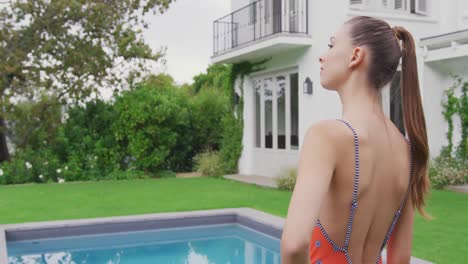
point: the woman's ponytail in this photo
(414, 120)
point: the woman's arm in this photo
(314, 173)
(399, 244)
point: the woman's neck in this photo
(360, 101)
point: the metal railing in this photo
(258, 20)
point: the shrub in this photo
(152, 124)
(221, 130)
(208, 108)
(73, 170)
(445, 170)
(30, 166)
(287, 180)
(209, 164)
(86, 141)
(155, 128)
(34, 124)
(231, 144)
(15, 172)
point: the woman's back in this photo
(383, 178)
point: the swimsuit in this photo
(322, 249)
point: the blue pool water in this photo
(214, 244)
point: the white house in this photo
(278, 108)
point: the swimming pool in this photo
(226, 243)
(235, 236)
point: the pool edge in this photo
(3, 248)
(249, 217)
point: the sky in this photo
(186, 30)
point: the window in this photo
(267, 11)
(257, 95)
(390, 96)
(419, 7)
(293, 16)
(407, 6)
(268, 101)
(400, 4)
(277, 16)
(276, 111)
(396, 111)
(252, 12)
(294, 95)
(281, 110)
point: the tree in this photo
(71, 48)
(161, 80)
(216, 77)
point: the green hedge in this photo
(151, 124)
(87, 142)
(153, 130)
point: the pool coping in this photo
(255, 219)
(3, 248)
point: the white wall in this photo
(238, 4)
(452, 15)
(463, 14)
(447, 12)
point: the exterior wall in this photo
(238, 4)
(437, 78)
(447, 12)
(463, 14)
(453, 14)
(324, 18)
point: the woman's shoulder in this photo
(331, 131)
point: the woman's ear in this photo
(357, 57)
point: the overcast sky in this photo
(186, 29)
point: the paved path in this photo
(254, 179)
(458, 188)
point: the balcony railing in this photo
(258, 20)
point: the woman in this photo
(359, 179)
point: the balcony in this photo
(446, 46)
(261, 29)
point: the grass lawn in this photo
(442, 240)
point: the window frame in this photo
(273, 76)
(417, 10)
(409, 7)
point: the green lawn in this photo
(442, 240)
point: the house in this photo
(285, 98)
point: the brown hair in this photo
(385, 51)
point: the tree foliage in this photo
(70, 48)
